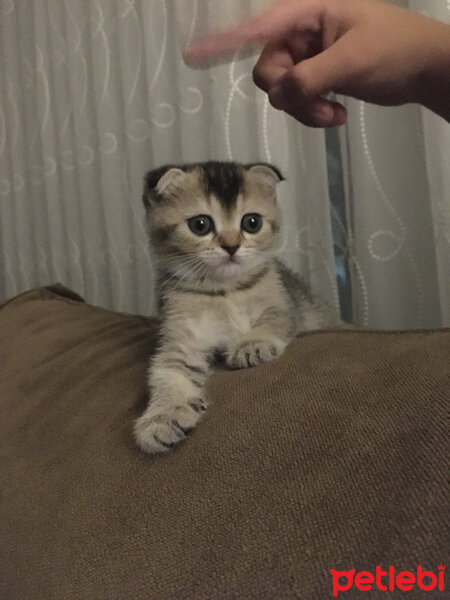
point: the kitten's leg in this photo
(177, 376)
(265, 341)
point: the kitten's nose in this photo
(231, 249)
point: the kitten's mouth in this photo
(229, 267)
(231, 260)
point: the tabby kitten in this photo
(213, 227)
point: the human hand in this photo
(366, 49)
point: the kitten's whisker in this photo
(180, 260)
(179, 264)
(174, 276)
(183, 263)
(199, 271)
(193, 270)
(209, 270)
(176, 256)
(193, 266)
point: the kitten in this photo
(213, 227)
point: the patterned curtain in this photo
(94, 93)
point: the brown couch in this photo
(332, 457)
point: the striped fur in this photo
(247, 306)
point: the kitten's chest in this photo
(239, 314)
(222, 317)
(221, 320)
(240, 311)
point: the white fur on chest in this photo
(211, 321)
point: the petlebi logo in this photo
(388, 580)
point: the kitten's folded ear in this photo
(160, 183)
(266, 174)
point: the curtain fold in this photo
(398, 200)
(93, 94)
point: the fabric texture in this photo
(94, 94)
(332, 457)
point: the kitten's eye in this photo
(251, 223)
(201, 224)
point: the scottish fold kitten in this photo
(213, 227)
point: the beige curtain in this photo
(94, 93)
(398, 194)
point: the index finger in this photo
(269, 25)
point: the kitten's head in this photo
(212, 221)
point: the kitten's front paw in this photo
(160, 428)
(252, 353)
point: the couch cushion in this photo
(332, 457)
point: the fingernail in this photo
(276, 97)
(324, 116)
(340, 115)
